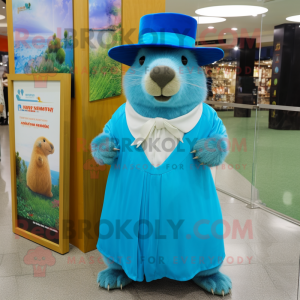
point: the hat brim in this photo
(126, 54)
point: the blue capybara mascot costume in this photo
(161, 215)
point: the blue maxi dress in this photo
(165, 221)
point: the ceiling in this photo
(279, 10)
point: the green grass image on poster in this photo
(105, 74)
(34, 206)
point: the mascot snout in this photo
(162, 83)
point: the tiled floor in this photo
(263, 267)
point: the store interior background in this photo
(3, 38)
(265, 169)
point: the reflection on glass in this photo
(277, 166)
(235, 174)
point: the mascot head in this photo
(165, 78)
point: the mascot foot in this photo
(217, 284)
(113, 279)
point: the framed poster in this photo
(105, 74)
(40, 153)
(43, 36)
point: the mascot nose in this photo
(51, 146)
(162, 75)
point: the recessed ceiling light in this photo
(2, 17)
(235, 29)
(208, 20)
(211, 27)
(294, 18)
(236, 48)
(225, 33)
(3, 7)
(231, 11)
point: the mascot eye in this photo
(184, 60)
(142, 60)
(44, 140)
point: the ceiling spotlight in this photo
(225, 33)
(234, 29)
(211, 27)
(231, 11)
(208, 20)
(3, 7)
(294, 18)
(236, 48)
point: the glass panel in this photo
(235, 174)
(278, 161)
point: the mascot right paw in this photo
(211, 151)
(104, 149)
(218, 283)
(113, 279)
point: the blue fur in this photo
(111, 264)
(192, 92)
(113, 276)
(211, 151)
(213, 281)
(102, 149)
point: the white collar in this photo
(177, 126)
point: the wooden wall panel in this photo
(96, 114)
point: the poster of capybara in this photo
(37, 145)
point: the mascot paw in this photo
(104, 149)
(211, 151)
(217, 284)
(113, 279)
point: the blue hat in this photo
(166, 30)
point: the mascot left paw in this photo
(113, 279)
(211, 151)
(217, 284)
